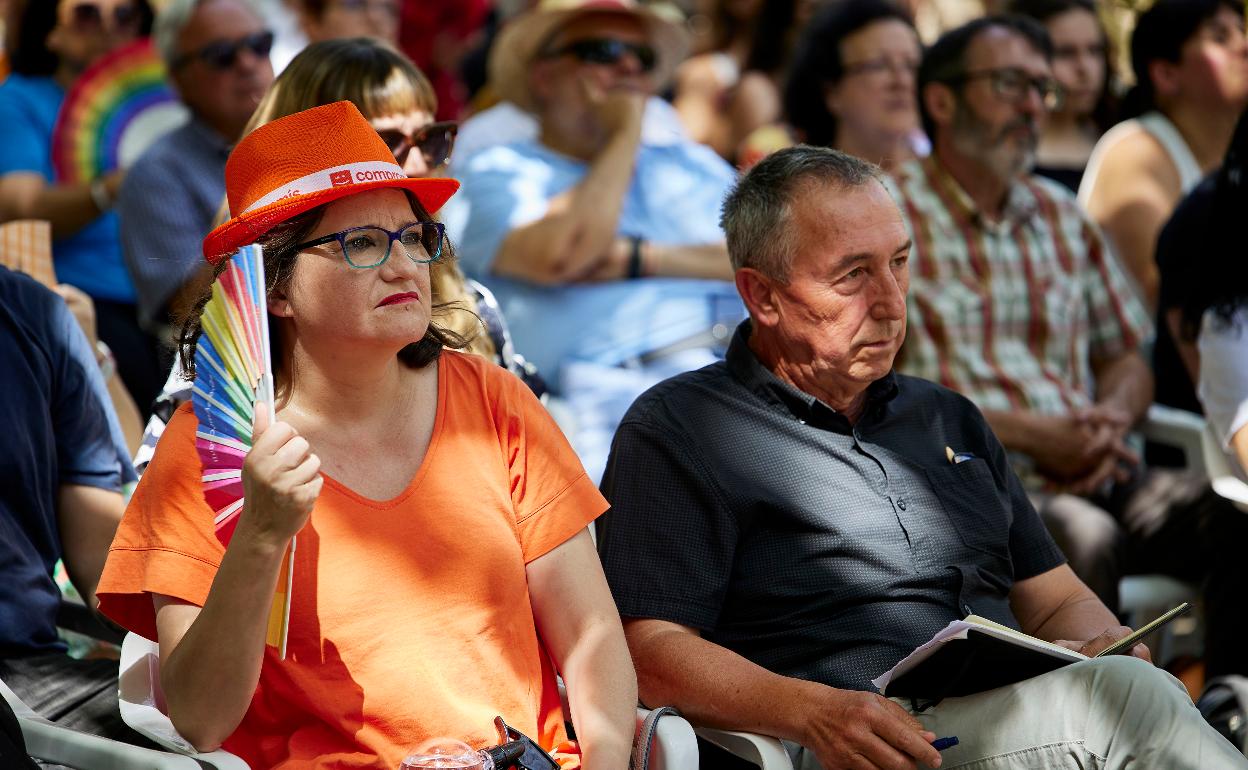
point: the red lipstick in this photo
(397, 299)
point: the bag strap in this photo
(642, 744)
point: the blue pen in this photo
(940, 744)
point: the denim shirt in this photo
(674, 198)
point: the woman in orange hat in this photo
(444, 571)
(400, 104)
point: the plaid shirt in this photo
(1011, 313)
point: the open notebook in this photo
(969, 656)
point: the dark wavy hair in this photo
(769, 37)
(1224, 284)
(817, 63)
(1105, 113)
(33, 21)
(1159, 35)
(280, 256)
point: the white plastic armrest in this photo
(1232, 489)
(142, 704)
(764, 751)
(1221, 472)
(61, 745)
(1177, 428)
(675, 746)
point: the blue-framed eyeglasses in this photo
(365, 247)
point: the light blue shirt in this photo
(674, 198)
(90, 258)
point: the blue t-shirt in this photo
(91, 258)
(59, 428)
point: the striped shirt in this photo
(1011, 313)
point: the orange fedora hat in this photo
(302, 161)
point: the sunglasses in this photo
(89, 17)
(435, 142)
(223, 54)
(608, 51)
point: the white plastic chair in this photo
(1221, 474)
(1144, 597)
(59, 745)
(762, 750)
(142, 704)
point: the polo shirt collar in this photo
(745, 367)
(1020, 202)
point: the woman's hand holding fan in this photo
(232, 375)
(281, 481)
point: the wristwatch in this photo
(105, 358)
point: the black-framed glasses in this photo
(221, 55)
(365, 247)
(606, 50)
(435, 142)
(1013, 85)
(882, 65)
(89, 17)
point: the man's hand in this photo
(619, 110)
(1105, 639)
(851, 729)
(82, 307)
(613, 265)
(1067, 447)
(1108, 426)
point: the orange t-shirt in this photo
(410, 618)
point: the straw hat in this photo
(301, 161)
(522, 38)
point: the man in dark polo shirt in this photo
(788, 524)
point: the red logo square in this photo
(340, 178)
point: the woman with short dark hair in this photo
(852, 85)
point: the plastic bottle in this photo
(446, 754)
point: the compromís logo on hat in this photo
(341, 178)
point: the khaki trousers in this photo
(1104, 714)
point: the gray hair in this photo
(173, 18)
(756, 213)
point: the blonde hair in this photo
(379, 81)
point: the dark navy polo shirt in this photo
(59, 428)
(817, 549)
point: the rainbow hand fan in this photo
(231, 374)
(113, 112)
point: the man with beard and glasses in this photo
(790, 522)
(1016, 303)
